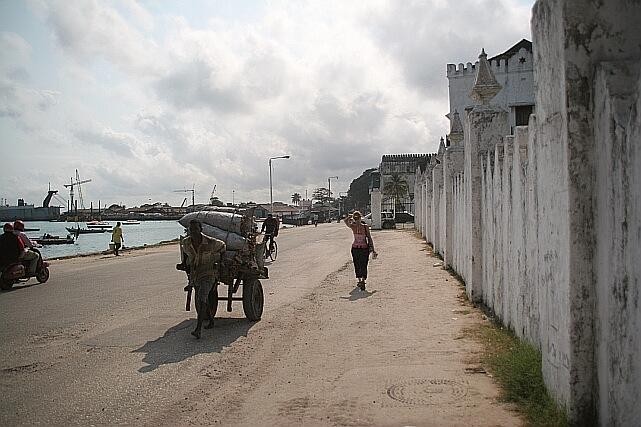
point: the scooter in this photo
(17, 272)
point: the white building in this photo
(513, 70)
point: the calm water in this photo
(147, 232)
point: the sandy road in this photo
(106, 342)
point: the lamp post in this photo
(329, 190)
(271, 197)
(341, 203)
(329, 185)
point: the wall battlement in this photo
(498, 65)
(404, 157)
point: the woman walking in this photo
(361, 246)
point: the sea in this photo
(135, 235)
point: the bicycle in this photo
(271, 250)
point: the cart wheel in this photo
(212, 301)
(253, 299)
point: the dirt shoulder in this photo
(394, 355)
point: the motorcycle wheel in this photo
(42, 275)
(5, 285)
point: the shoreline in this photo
(124, 249)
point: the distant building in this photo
(403, 165)
(513, 70)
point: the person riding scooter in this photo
(27, 255)
(11, 247)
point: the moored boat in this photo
(99, 225)
(48, 239)
(131, 222)
(78, 230)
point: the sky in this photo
(148, 97)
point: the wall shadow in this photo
(177, 343)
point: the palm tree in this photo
(296, 198)
(397, 188)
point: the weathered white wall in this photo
(618, 235)
(545, 226)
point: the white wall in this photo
(545, 225)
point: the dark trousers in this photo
(360, 257)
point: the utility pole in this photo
(271, 197)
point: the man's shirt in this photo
(270, 226)
(203, 259)
(26, 242)
(116, 235)
(10, 248)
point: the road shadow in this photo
(18, 287)
(177, 343)
(356, 294)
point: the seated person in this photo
(10, 246)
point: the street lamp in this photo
(341, 203)
(329, 190)
(329, 185)
(271, 197)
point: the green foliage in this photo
(517, 367)
(296, 198)
(321, 194)
(397, 188)
(358, 193)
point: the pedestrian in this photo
(203, 256)
(117, 238)
(361, 246)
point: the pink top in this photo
(360, 236)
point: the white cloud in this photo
(160, 104)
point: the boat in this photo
(99, 225)
(131, 222)
(31, 229)
(78, 230)
(48, 239)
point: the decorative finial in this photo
(485, 86)
(456, 129)
(441, 147)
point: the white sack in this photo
(233, 241)
(223, 220)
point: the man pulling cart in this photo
(221, 249)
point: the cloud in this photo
(158, 99)
(23, 104)
(118, 143)
(91, 28)
(425, 35)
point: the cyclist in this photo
(270, 228)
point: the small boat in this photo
(78, 230)
(31, 229)
(131, 222)
(48, 239)
(99, 224)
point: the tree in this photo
(296, 198)
(321, 194)
(358, 193)
(396, 188)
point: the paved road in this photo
(107, 341)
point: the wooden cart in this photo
(244, 269)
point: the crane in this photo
(76, 183)
(211, 198)
(191, 190)
(183, 203)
